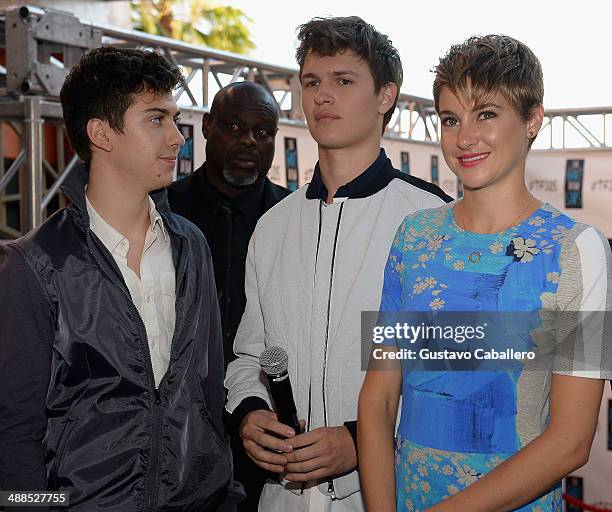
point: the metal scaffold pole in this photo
(32, 175)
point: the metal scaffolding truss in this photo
(414, 119)
(41, 45)
(577, 128)
(207, 70)
(39, 180)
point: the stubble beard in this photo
(241, 180)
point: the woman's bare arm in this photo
(378, 403)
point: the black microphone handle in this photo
(282, 394)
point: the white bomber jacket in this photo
(311, 270)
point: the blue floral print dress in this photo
(456, 426)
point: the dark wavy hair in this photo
(105, 83)
(328, 36)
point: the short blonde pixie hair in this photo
(484, 65)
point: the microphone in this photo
(274, 362)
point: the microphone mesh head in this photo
(274, 361)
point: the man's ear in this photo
(99, 134)
(387, 95)
(206, 125)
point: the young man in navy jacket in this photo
(111, 357)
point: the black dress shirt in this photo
(227, 224)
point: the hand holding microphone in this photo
(318, 454)
(263, 435)
(315, 455)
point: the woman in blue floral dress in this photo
(489, 440)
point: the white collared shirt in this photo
(153, 293)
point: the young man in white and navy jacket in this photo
(315, 262)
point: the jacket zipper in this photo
(150, 483)
(151, 494)
(314, 281)
(330, 483)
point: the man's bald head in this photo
(239, 132)
(239, 92)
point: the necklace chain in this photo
(516, 219)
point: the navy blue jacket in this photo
(79, 410)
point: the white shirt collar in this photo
(111, 238)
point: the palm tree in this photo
(195, 21)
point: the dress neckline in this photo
(508, 230)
